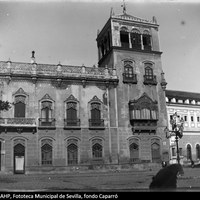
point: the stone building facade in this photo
(187, 106)
(76, 116)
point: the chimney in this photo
(33, 57)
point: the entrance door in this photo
(19, 159)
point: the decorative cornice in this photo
(71, 98)
(95, 99)
(46, 97)
(20, 91)
(82, 74)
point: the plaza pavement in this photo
(94, 181)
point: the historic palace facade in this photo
(64, 116)
(187, 106)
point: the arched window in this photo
(95, 120)
(149, 77)
(146, 37)
(20, 106)
(128, 70)
(95, 114)
(148, 73)
(124, 37)
(155, 150)
(46, 152)
(97, 151)
(46, 113)
(136, 39)
(97, 148)
(189, 152)
(198, 151)
(128, 75)
(134, 150)
(71, 114)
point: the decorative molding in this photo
(143, 102)
(46, 97)
(20, 91)
(71, 98)
(95, 99)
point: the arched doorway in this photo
(19, 159)
(72, 154)
(155, 150)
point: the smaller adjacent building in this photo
(187, 106)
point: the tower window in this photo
(136, 39)
(146, 38)
(149, 73)
(124, 37)
(128, 75)
(149, 77)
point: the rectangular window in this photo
(192, 118)
(19, 109)
(173, 152)
(198, 119)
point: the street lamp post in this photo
(177, 131)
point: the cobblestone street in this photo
(96, 181)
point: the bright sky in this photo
(66, 31)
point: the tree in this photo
(4, 105)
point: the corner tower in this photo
(137, 105)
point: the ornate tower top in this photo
(124, 7)
(127, 32)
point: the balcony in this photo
(18, 124)
(45, 123)
(150, 80)
(129, 78)
(144, 125)
(96, 124)
(72, 124)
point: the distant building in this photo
(65, 116)
(187, 106)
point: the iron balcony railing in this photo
(129, 78)
(47, 122)
(96, 123)
(72, 122)
(150, 80)
(18, 121)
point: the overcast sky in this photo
(66, 31)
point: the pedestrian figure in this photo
(192, 163)
(166, 178)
